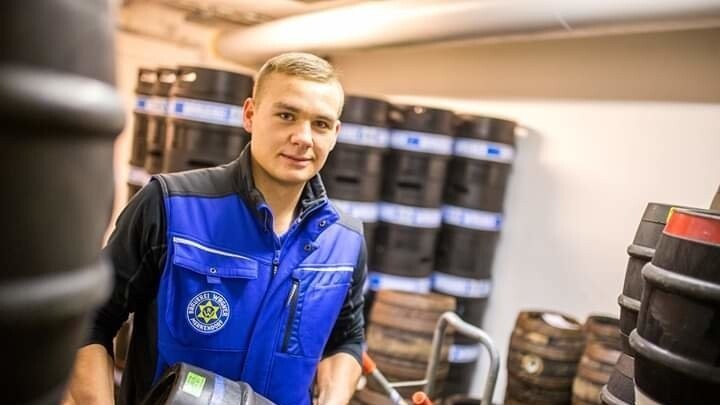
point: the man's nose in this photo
(302, 134)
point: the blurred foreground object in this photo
(59, 115)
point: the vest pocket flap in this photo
(211, 261)
(325, 275)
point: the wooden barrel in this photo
(545, 348)
(596, 366)
(399, 338)
(604, 329)
(677, 339)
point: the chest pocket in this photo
(210, 292)
(313, 305)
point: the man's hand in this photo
(92, 378)
(337, 377)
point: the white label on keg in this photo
(364, 135)
(157, 106)
(138, 176)
(421, 142)
(483, 150)
(463, 353)
(381, 281)
(471, 219)
(206, 111)
(410, 216)
(461, 286)
(364, 211)
(559, 321)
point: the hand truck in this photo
(423, 397)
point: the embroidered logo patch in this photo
(208, 312)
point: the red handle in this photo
(368, 365)
(420, 398)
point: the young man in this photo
(246, 269)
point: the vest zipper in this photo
(291, 303)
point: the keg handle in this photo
(471, 331)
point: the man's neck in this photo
(282, 199)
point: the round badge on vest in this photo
(208, 312)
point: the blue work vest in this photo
(235, 300)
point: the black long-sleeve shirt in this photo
(137, 249)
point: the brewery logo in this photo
(208, 312)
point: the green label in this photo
(194, 384)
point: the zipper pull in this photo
(276, 264)
(293, 291)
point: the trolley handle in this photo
(471, 331)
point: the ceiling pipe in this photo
(407, 22)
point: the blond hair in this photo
(298, 64)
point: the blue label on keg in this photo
(364, 211)
(206, 111)
(364, 135)
(141, 104)
(461, 286)
(471, 219)
(410, 216)
(421, 142)
(381, 281)
(483, 150)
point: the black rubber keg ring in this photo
(641, 252)
(678, 363)
(608, 397)
(681, 284)
(56, 295)
(629, 303)
(62, 101)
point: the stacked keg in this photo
(677, 339)
(59, 117)
(399, 340)
(620, 387)
(137, 176)
(157, 108)
(545, 348)
(205, 118)
(353, 171)
(602, 351)
(410, 211)
(472, 216)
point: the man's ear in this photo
(338, 125)
(248, 114)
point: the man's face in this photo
(294, 126)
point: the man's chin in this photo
(294, 180)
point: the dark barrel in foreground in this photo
(677, 340)
(59, 116)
